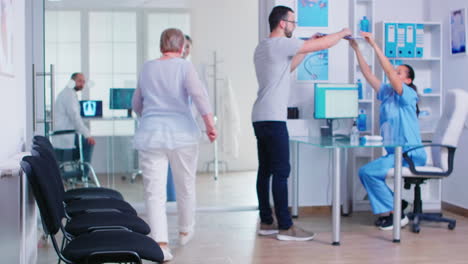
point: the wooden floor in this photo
(230, 237)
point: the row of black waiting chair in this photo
(100, 226)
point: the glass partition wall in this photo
(109, 40)
(108, 45)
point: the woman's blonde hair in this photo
(172, 40)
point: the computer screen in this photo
(336, 101)
(91, 108)
(121, 98)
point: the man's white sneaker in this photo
(295, 234)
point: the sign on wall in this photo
(312, 13)
(458, 31)
(6, 38)
(314, 67)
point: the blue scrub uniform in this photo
(398, 122)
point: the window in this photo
(112, 55)
(110, 58)
(157, 23)
(63, 45)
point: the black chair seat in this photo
(78, 207)
(112, 241)
(81, 224)
(91, 193)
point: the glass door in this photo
(107, 42)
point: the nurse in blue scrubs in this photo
(398, 122)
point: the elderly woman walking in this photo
(168, 134)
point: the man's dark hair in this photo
(187, 37)
(74, 75)
(277, 14)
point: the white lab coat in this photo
(67, 117)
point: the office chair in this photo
(43, 143)
(73, 167)
(442, 148)
(86, 205)
(113, 244)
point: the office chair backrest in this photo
(44, 190)
(39, 138)
(450, 125)
(44, 143)
(54, 169)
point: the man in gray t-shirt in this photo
(275, 58)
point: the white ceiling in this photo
(110, 4)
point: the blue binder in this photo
(401, 40)
(419, 37)
(390, 40)
(410, 43)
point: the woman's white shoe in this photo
(184, 239)
(167, 253)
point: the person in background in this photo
(275, 58)
(187, 47)
(398, 123)
(168, 134)
(67, 117)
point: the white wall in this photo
(401, 10)
(454, 76)
(231, 29)
(12, 89)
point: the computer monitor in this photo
(121, 98)
(91, 108)
(335, 101)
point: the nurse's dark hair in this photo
(411, 75)
(277, 14)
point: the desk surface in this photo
(344, 142)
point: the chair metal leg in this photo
(135, 175)
(93, 174)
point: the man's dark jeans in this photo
(273, 160)
(74, 154)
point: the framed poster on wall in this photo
(458, 31)
(6, 38)
(312, 13)
(314, 67)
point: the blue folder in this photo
(401, 40)
(410, 43)
(390, 40)
(419, 37)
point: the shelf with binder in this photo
(411, 40)
(426, 38)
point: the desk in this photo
(337, 144)
(114, 155)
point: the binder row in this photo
(404, 40)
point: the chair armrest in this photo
(451, 156)
(62, 132)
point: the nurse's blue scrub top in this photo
(398, 119)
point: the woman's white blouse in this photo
(166, 89)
